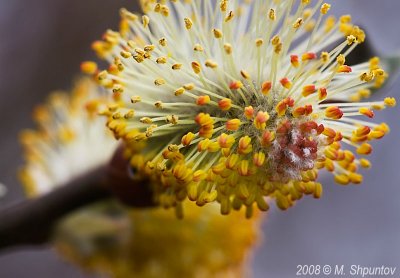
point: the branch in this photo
(31, 222)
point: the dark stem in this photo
(31, 222)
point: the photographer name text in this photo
(343, 270)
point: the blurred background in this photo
(42, 44)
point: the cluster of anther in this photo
(290, 143)
(294, 149)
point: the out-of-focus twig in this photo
(31, 222)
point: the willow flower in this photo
(107, 237)
(112, 240)
(70, 139)
(239, 100)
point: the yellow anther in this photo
(383, 127)
(310, 25)
(330, 23)
(262, 204)
(89, 67)
(188, 23)
(329, 165)
(325, 57)
(333, 112)
(245, 74)
(179, 91)
(261, 119)
(157, 8)
(140, 51)
(159, 82)
(150, 130)
(364, 149)
(199, 175)
(367, 76)
(197, 47)
(158, 104)
(189, 86)
(176, 66)
(161, 60)
(187, 139)
(118, 88)
(203, 145)
(351, 39)
(138, 58)
(272, 14)
(249, 112)
(213, 147)
(229, 16)
(117, 116)
(341, 59)
(226, 141)
(126, 54)
(275, 40)
(364, 93)
(145, 21)
(318, 190)
(308, 90)
(322, 93)
(192, 191)
(173, 148)
(146, 120)
(359, 34)
(362, 131)
(286, 83)
(378, 72)
(203, 100)
(136, 99)
(282, 201)
(223, 5)
(259, 159)
(228, 48)
(102, 75)
(366, 112)
(278, 48)
(374, 63)
(325, 8)
(164, 10)
(243, 192)
(376, 134)
(390, 101)
(244, 169)
(211, 64)
(365, 163)
(131, 44)
(172, 119)
(342, 179)
(196, 67)
(307, 13)
(245, 145)
(124, 13)
(225, 104)
(232, 161)
(298, 23)
(113, 107)
(163, 42)
(233, 124)
(355, 178)
(345, 19)
(217, 33)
